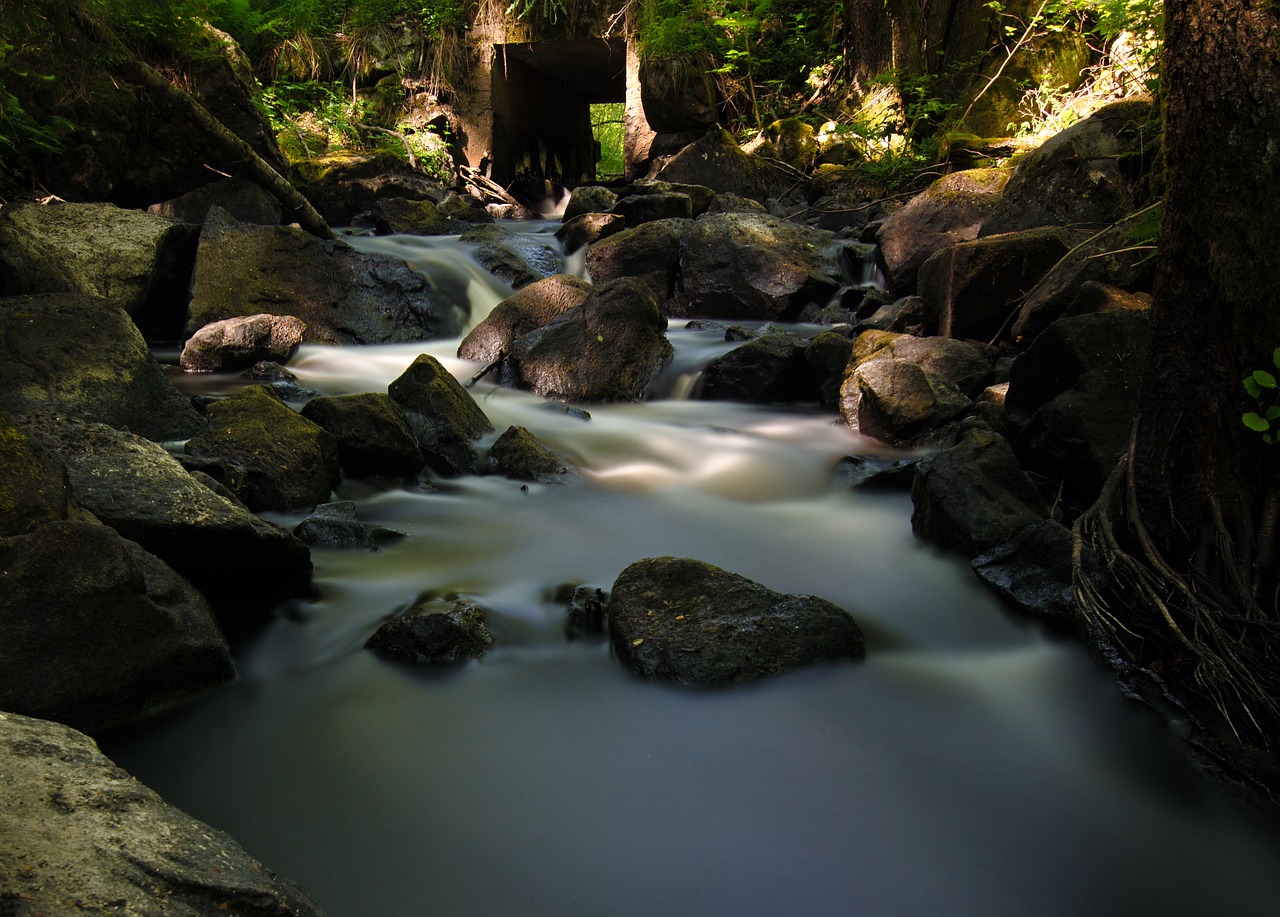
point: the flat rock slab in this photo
(682, 620)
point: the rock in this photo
(520, 455)
(471, 210)
(586, 199)
(135, 261)
(745, 266)
(607, 349)
(589, 228)
(976, 286)
(373, 434)
(345, 184)
(518, 258)
(677, 93)
(437, 631)
(788, 140)
(950, 210)
(681, 620)
(141, 491)
(398, 215)
(444, 418)
(1087, 175)
(278, 460)
(334, 525)
(912, 315)
(826, 357)
(81, 834)
(964, 365)
(651, 253)
(700, 196)
(585, 611)
(899, 403)
(83, 358)
(528, 308)
(33, 482)
(239, 343)
(770, 369)
(727, 202)
(1122, 256)
(644, 208)
(1033, 573)
(974, 496)
(95, 632)
(245, 200)
(1072, 398)
(873, 472)
(717, 162)
(343, 296)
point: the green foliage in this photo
(608, 129)
(1261, 386)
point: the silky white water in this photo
(970, 766)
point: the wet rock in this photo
(277, 459)
(1033, 573)
(244, 199)
(334, 525)
(397, 215)
(716, 161)
(444, 418)
(518, 258)
(33, 482)
(585, 615)
(964, 365)
(142, 492)
(589, 199)
(436, 631)
(589, 228)
(342, 185)
(899, 403)
(651, 253)
(873, 472)
(1089, 174)
(79, 829)
(237, 343)
(96, 632)
(974, 495)
(135, 261)
(343, 296)
(373, 434)
(770, 369)
(471, 210)
(607, 349)
(682, 620)
(912, 315)
(644, 208)
(700, 196)
(520, 455)
(976, 286)
(727, 202)
(826, 356)
(950, 210)
(84, 358)
(528, 308)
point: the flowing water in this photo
(971, 765)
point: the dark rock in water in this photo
(141, 491)
(343, 296)
(439, 631)
(33, 482)
(445, 419)
(520, 455)
(528, 308)
(334, 525)
(899, 403)
(517, 258)
(278, 460)
(826, 357)
(588, 228)
(237, 343)
(700, 196)
(974, 496)
(682, 620)
(651, 253)
(644, 208)
(766, 370)
(280, 380)
(397, 215)
(83, 835)
(242, 198)
(586, 611)
(910, 315)
(1033, 573)
(607, 349)
(469, 209)
(83, 358)
(95, 632)
(373, 434)
(587, 199)
(872, 472)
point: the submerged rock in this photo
(436, 631)
(681, 620)
(83, 835)
(334, 525)
(518, 258)
(520, 455)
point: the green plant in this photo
(1262, 388)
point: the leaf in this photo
(1264, 378)
(1275, 357)
(1255, 422)
(1252, 387)
(1273, 412)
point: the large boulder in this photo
(373, 434)
(974, 495)
(83, 835)
(141, 491)
(444, 418)
(434, 631)
(84, 358)
(899, 403)
(770, 369)
(716, 161)
(678, 93)
(345, 184)
(137, 262)
(244, 199)
(651, 253)
(950, 210)
(587, 229)
(528, 308)
(609, 348)
(398, 215)
(685, 621)
(976, 286)
(276, 459)
(1088, 175)
(788, 140)
(1033, 573)
(33, 482)
(586, 199)
(239, 343)
(95, 632)
(343, 296)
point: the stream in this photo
(972, 765)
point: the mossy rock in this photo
(374, 438)
(33, 483)
(444, 418)
(520, 455)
